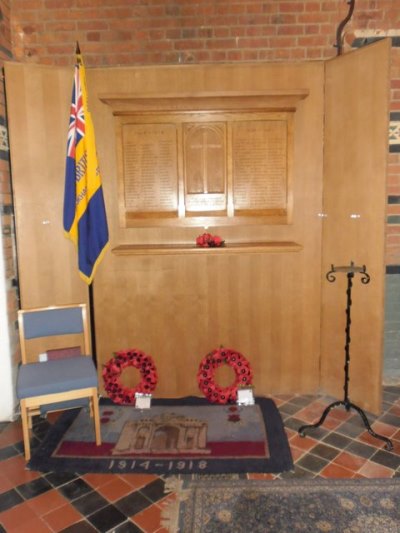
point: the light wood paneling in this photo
(356, 125)
(177, 307)
(38, 104)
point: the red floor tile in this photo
(137, 481)
(5, 483)
(350, 461)
(97, 480)
(335, 471)
(116, 488)
(149, 519)
(17, 516)
(296, 453)
(373, 470)
(49, 501)
(62, 517)
(36, 525)
(304, 443)
(11, 434)
(15, 470)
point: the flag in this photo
(85, 221)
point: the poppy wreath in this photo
(205, 375)
(112, 371)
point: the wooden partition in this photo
(154, 290)
(177, 302)
(355, 154)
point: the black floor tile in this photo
(34, 488)
(9, 499)
(288, 409)
(385, 458)
(318, 433)
(107, 519)
(75, 489)
(128, 527)
(324, 451)
(133, 503)
(301, 401)
(60, 478)
(80, 527)
(7, 452)
(389, 418)
(350, 430)
(154, 490)
(361, 449)
(90, 503)
(337, 440)
(312, 462)
(293, 423)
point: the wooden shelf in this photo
(231, 248)
(123, 104)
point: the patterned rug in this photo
(284, 506)
(183, 436)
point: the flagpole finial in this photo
(77, 49)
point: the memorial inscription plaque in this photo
(259, 153)
(182, 167)
(150, 167)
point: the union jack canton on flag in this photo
(85, 221)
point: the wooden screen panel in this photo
(38, 103)
(356, 134)
(177, 306)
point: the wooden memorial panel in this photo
(205, 166)
(150, 165)
(259, 154)
(177, 167)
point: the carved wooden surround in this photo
(206, 158)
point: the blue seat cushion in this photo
(60, 406)
(61, 375)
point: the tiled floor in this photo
(31, 502)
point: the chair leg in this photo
(25, 430)
(96, 417)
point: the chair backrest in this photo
(55, 321)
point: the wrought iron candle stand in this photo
(350, 270)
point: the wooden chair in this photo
(45, 385)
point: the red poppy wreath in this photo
(205, 375)
(112, 371)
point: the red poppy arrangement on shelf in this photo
(205, 375)
(112, 371)
(209, 241)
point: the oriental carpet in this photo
(284, 506)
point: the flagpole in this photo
(92, 324)
(84, 215)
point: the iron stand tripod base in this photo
(348, 405)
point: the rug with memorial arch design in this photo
(187, 435)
